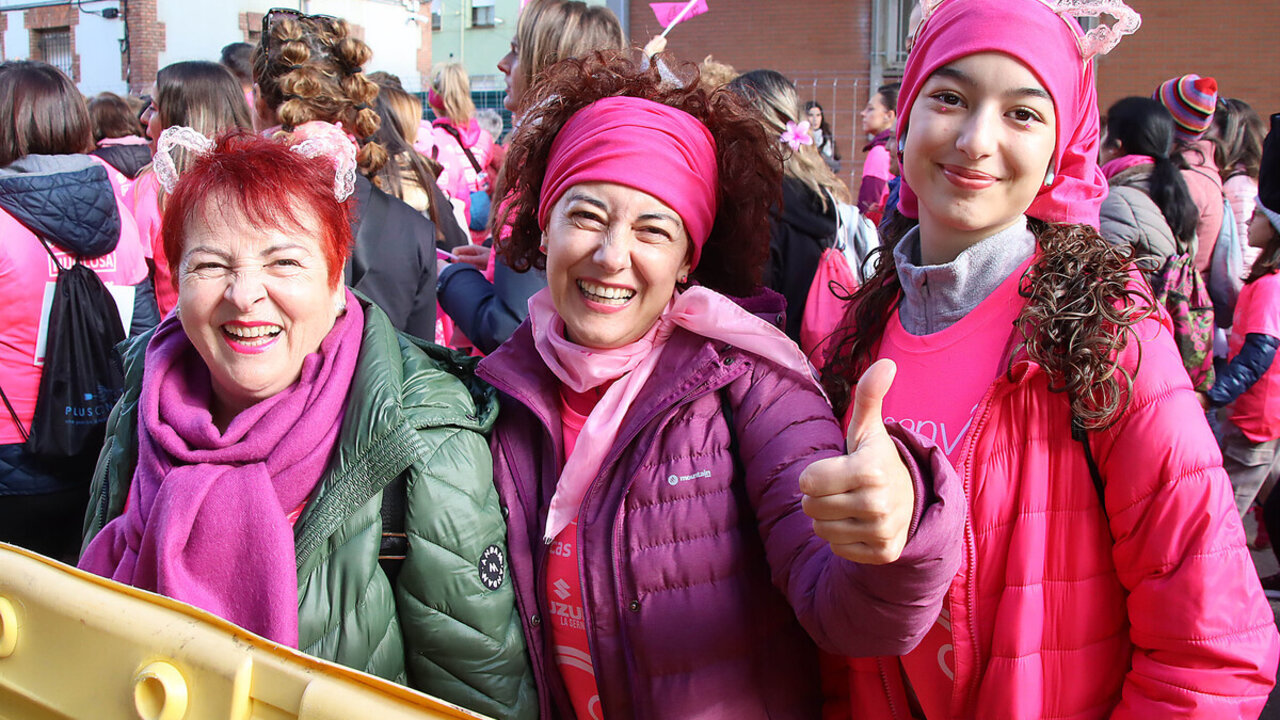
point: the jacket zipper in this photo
(971, 552)
(881, 664)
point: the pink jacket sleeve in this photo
(1205, 640)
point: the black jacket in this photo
(393, 262)
(799, 233)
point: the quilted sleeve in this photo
(1205, 641)
(783, 425)
(456, 600)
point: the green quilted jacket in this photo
(448, 624)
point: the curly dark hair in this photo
(1081, 307)
(750, 165)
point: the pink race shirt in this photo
(1257, 411)
(940, 382)
(144, 199)
(564, 588)
(27, 275)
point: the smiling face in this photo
(254, 302)
(614, 255)
(510, 67)
(979, 142)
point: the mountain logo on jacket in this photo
(493, 567)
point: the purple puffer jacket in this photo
(693, 545)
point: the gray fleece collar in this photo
(935, 297)
(47, 165)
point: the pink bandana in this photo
(642, 144)
(699, 310)
(1045, 42)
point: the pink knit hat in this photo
(1050, 44)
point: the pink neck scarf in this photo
(701, 311)
(1124, 162)
(1034, 35)
(206, 518)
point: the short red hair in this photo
(267, 183)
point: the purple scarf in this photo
(206, 517)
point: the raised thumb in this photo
(867, 417)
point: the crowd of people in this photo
(537, 425)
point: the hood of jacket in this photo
(470, 133)
(67, 199)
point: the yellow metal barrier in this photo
(74, 645)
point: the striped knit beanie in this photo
(1190, 99)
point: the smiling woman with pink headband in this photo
(654, 430)
(1105, 573)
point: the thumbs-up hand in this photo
(861, 503)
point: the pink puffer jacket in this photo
(1050, 617)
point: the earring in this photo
(1049, 178)
(902, 144)
(683, 280)
(542, 248)
(340, 307)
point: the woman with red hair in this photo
(269, 423)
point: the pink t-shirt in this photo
(27, 273)
(1257, 411)
(564, 586)
(941, 379)
(144, 199)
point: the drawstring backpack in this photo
(833, 284)
(82, 376)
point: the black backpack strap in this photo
(395, 541)
(1081, 435)
(456, 136)
(13, 414)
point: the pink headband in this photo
(433, 99)
(1044, 41)
(642, 144)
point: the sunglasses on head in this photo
(277, 13)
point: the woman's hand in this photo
(862, 503)
(477, 255)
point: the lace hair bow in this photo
(1098, 41)
(312, 140)
(321, 139)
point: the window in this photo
(436, 21)
(53, 46)
(482, 13)
(891, 24)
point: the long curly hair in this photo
(310, 67)
(1081, 307)
(749, 163)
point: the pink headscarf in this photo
(1047, 43)
(642, 144)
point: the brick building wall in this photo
(146, 42)
(38, 20)
(4, 27)
(1232, 41)
(821, 45)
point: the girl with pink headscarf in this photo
(1105, 572)
(683, 522)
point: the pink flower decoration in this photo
(797, 134)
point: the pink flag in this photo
(667, 12)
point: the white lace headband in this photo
(1098, 41)
(317, 139)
